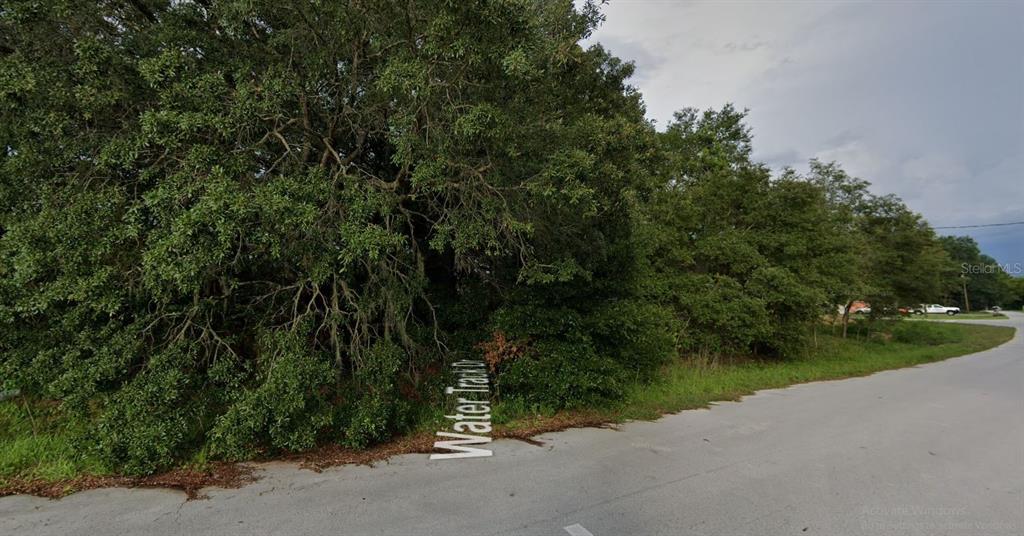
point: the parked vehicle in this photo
(936, 309)
(860, 307)
(996, 309)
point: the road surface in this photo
(932, 450)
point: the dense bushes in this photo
(285, 406)
(575, 358)
(232, 227)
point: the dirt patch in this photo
(332, 455)
(189, 481)
(527, 429)
(233, 475)
(423, 443)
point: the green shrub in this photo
(563, 375)
(378, 410)
(639, 336)
(578, 357)
(287, 407)
(716, 314)
(148, 423)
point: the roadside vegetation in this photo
(961, 316)
(695, 382)
(36, 444)
(234, 229)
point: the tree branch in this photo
(142, 8)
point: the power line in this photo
(981, 225)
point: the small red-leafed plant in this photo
(499, 349)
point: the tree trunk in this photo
(846, 316)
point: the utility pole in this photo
(967, 304)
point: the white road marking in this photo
(577, 530)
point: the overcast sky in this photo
(923, 99)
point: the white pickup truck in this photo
(936, 309)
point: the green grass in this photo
(36, 444)
(962, 316)
(872, 347)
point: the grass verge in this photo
(962, 316)
(695, 383)
(38, 456)
(35, 444)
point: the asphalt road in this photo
(931, 450)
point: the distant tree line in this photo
(242, 226)
(979, 281)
